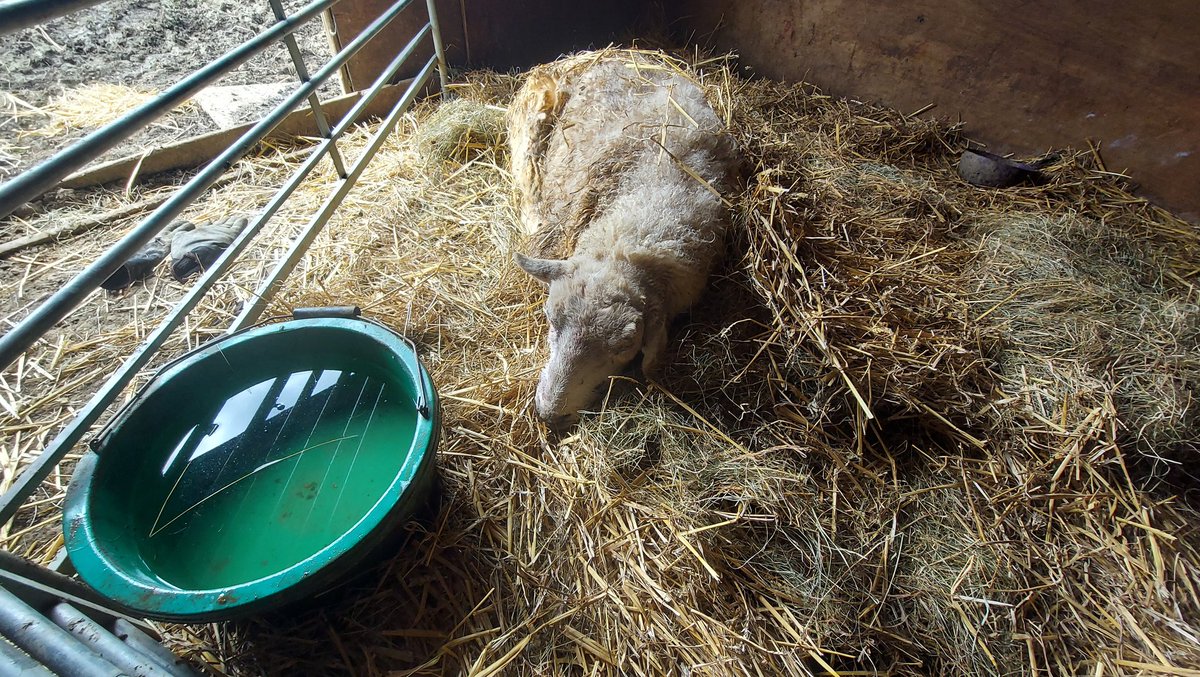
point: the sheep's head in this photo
(596, 316)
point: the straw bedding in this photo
(915, 427)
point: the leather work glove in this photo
(143, 261)
(194, 249)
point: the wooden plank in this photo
(350, 17)
(73, 228)
(83, 225)
(198, 150)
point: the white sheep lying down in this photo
(620, 162)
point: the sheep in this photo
(619, 161)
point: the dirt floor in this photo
(147, 45)
(143, 45)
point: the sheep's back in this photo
(600, 132)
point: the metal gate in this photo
(66, 626)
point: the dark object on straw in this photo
(193, 249)
(144, 260)
(982, 168)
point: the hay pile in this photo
(31, 134)
(89, 107)
(1090, 318)
(904, 433)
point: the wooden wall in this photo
(486, 33)
(1023, 75)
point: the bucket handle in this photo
(354, 312)
(348, 312)
(422, 382)
(351, 312)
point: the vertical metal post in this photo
(314, 101)
(437, 43)
(266, 291)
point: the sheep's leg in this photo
(654, 346)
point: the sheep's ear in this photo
(546, 270)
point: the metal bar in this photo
(69, 436)
(40, 587)
(144, 643)
(314, 101)
(44, 596)
(18, 14)
(266, 291)
(438, 49)
(54, 647)
(32, 183)
(17, 340)
(103, 642)
(17, 663)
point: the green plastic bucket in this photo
(255, 471)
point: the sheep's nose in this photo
(542, 402)
(551, 409)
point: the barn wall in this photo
(499, 34)
(517, 33)
(348, 18)
(1024, 76)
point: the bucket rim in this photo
(309, 576)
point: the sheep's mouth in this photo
(561, 423)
